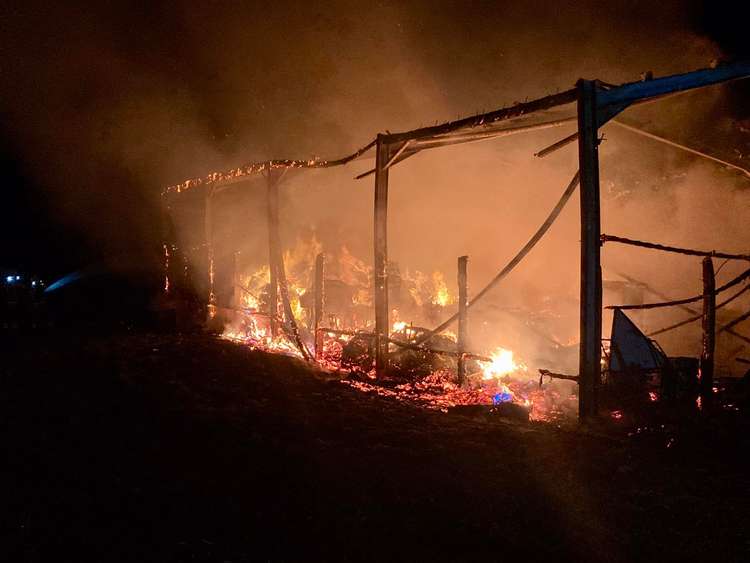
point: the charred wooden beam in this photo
(675, 249)
(551, 374)
(209, 230)
(695, 312)
(319, 302)
(483, 134)
(343, 332)
(731, 283)
(709, 332)
(591, 273)
(487, 119)
(463, 317)
(450, 353)
(699, 316)
(272, 200)
(380, 269)
(557, 145)
(277, 261)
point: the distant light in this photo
(9, 279)
(18, 278)
(64, 281)
(33, 284)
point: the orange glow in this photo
(502, 364)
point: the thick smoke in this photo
(114, 105)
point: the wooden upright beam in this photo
(591, 273)
(463, 317)
(709, 333)
(272, 199)
(319, 303)
(209, 230)
(382, 325)
(277, 261)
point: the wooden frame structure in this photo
(591, 104)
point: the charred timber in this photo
(740, 278)
(699, 316)
(551, 374)
(709, 332)
(675, 249)
(518, 110)
(591, 273)
(380, 266)
(276, 260)
(463, 317)
(320, 261)
(418, 348)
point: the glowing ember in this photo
(653, 396)
(502, 364)
(503, 379)
(166, 268)
(253, 334)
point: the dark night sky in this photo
(104, 105)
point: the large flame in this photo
(502, 364)
(503, 379)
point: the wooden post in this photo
(169, 246)
(319, 303)
(277, 263)
(272, 191)
(463, 308)
(709, 333)
(381, 257)
(591, 274)
(209, 231)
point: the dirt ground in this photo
(186, 448)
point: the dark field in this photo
(166, 448)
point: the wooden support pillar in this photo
(591, 273)
(209, 235)
(381, 257)
(709, 333)
(169, 246)
(463, 317)
(272, 191)
(277, 262)
(319, 304)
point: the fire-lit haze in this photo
(136, 99)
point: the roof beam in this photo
(634, 91)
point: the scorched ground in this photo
(168, 448)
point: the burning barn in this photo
(285, 258)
